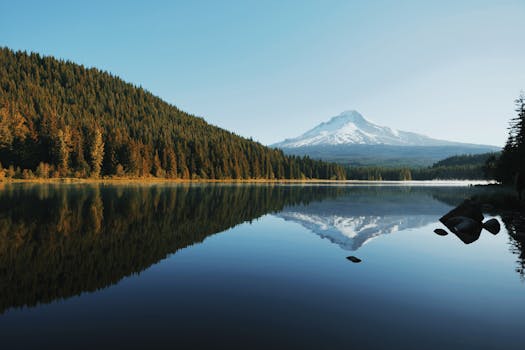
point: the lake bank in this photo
(154, 180)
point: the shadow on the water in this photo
(515, 225)
(58, 241)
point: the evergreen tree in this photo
(97, 153)
(512, 159)
(62, 149)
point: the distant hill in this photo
(465, 160)
(58, 118)
(351, 139)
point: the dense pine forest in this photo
(506, 166)
(59, 119)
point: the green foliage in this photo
(51, 111)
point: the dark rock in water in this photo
(441, 232)
(353, 259)
(469, 209)
(467, 229)
(465, 221)
(463, 224)
(492, 226)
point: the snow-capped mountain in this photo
(350, 127)
(350, 138)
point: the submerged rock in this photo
(440, 232)
(492, 226)
(353, 259)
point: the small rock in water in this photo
(353, 259)
(492, 226)
(441, 232)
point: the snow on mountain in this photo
(351, 128)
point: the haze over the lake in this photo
(450, 69)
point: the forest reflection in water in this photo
(60, 240)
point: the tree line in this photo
(60, 119)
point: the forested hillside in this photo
(465, 160)
(460, 167)
(60, 119)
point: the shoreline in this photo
(154, 180)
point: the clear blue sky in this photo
(273, 69)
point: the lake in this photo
(253, 266)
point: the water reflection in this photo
(364, 213)
(515, 226)
(361, 214)
(57, 241)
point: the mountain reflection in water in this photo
(365, 213)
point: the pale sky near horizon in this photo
(274, 69)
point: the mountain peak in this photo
(349, 137)
(351, 128)
(349, 116)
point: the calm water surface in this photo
(252, 266)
